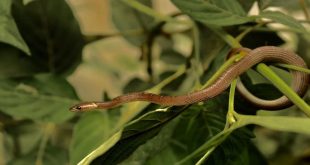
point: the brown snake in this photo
(262, 54)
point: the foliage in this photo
(41, 45)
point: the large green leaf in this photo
(98, 126)
(51, 32)
(130, 22)
(215, 12)
(14, 63)
(52, 156)
(153, 146)
(137, 133)
(235, 151)
(44, 98)
(285, 20)
(8, 31)
(195, 127)
(29, 135)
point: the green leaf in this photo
(52, 34)
(284, 19)
(44, 98)
(6, 147)
(235, 151)
(51, 156)
(289, 5)
(98, 126)
(221, 12)
(171, 56)
(246, 4)
(137, 133)
(196, 126)
(153, 146)
(136, 84)
(29, 135)
(130, 22)
(288, 124)
(14, 63)
(8, 31)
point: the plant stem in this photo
(305, 9)
(230, 119)
(283, 87)
(230, 40)
(48, 129)
(203, 159)
(293, 67)
(248, 30)
(219, 72)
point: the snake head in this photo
(82, 107)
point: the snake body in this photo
(262, 54)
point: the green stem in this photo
(48, 129)
(230, 119)
(283, 87)
(205, 157)
(293, 67)
(305, 9)
(230, 40)
(248, 30)
(226, 65)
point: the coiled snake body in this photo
(262, 54)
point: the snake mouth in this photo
(82, 107)
(75, 108)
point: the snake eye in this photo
(78, 107)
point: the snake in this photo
(265, 54)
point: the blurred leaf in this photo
(6, 147)
(218, 49)
(288, 124)
(51, 156)
(29, 136)
(173, 86)
(215, 12)
(263, 4)
(43, 98)
(14, 63)
(220, 52)
(290, 5)
(127, 20)
(137, 133)
(284, 19)
(98, 126)
(171, 56)
(52, 34)
(246, 4)
(8, 31)
(135, 85)
(303, 48)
